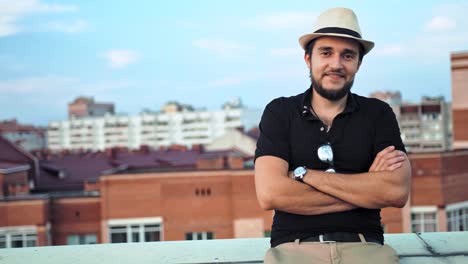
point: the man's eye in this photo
(349, 56)
(325, 53)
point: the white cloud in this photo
(228, 81)
(456, 11)
(7, 26)
(285, 20)
(54, 8)
(276, 73)
(102, 88)
(20, 7)
(236, 79)
(390, 50)
(287, 52)
(445, 32)
(218, 46)
(13, 11)
(55, 92)
(37, 85)
(76, 26)
(121, 58)
(55, 85)
(440, 23)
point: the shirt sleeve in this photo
(274, 131)
(387, 131)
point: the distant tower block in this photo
(459, 69)
(86, 107)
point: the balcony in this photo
(426, 248)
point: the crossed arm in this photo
(386, 184)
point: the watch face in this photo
(299, 172)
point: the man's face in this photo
(333, 64)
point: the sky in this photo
(142, 54)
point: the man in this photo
(328, 160)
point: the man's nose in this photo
(336, 62)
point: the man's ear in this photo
(307, 59)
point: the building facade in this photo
(26, 136)
(215, 199)
(151, 129)
(424, 126)
(86, 107)
(459, 71)
(122, 196)
(438, 199)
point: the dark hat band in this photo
(338, 30)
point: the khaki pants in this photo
(331, 252)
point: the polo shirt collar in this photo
(351, 104)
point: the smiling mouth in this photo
(335, 76)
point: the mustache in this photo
(335, 72)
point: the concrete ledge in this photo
(426, 248)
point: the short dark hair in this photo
(310, 46)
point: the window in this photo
(118, 234)
(135, 230)
(199, 235)
(457, 217)
(424, 219)
(203, 192)
(18, 237)
(3, 241)
(81, 239)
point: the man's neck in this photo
(327, 109)
(322, 104)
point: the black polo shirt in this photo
(290, 131)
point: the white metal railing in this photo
(425, 248)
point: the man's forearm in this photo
(309, 201)
(275, 190)
(369, 190)
(298, 198)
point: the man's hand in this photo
(387, 184)
(388, 159)
(276, 191)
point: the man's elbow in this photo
(400, 202)
(399, 199)
(266, 202)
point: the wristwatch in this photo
(299, 173)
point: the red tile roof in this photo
(10, 165)
(70, 171)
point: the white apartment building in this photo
(182, 126)
(424, 126)
(427, 126)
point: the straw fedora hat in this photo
(337, 22)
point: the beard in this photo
(332, 95)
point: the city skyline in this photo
(205, 53)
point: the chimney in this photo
(176, 147)
(111, 153)
(144, 149)
(1, 185)
(199, 148)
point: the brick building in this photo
(179, 193)
(29, 137)
(123, 196)
(438, 199)
(87, 107)
(459, 71)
